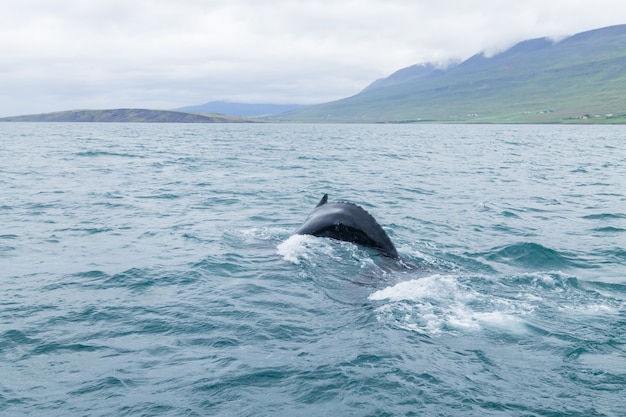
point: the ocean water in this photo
(150, 270)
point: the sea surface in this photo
(150, 270)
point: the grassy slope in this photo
(534, 82)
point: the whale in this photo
(347, 222)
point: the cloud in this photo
(164, 54)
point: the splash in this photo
(304, 248)
(446, 304)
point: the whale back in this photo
(347, 222)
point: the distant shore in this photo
(128, 116)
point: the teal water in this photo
(149, 270)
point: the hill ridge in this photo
(128, 115)
(580, 78)
(241, 109)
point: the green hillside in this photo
(581, 79)
(126, 116)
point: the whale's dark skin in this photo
(347, 222)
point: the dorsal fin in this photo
(323, 201)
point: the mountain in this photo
(126, 116)
(412, 73)
(578, 79)
(241, 109)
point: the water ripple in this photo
(150, 270)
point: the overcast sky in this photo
(96, 54)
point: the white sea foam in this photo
(592, 309)
(293, 249)
(299, 248)
(441, 303)
(426, 258)
(438, 287)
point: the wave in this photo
(605, 216)
(532, 256)
(608, 229)
(86, 230)
(134, 280)
(164, 196)
(9, 236)
(106, 153)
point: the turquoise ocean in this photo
(150, 270)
